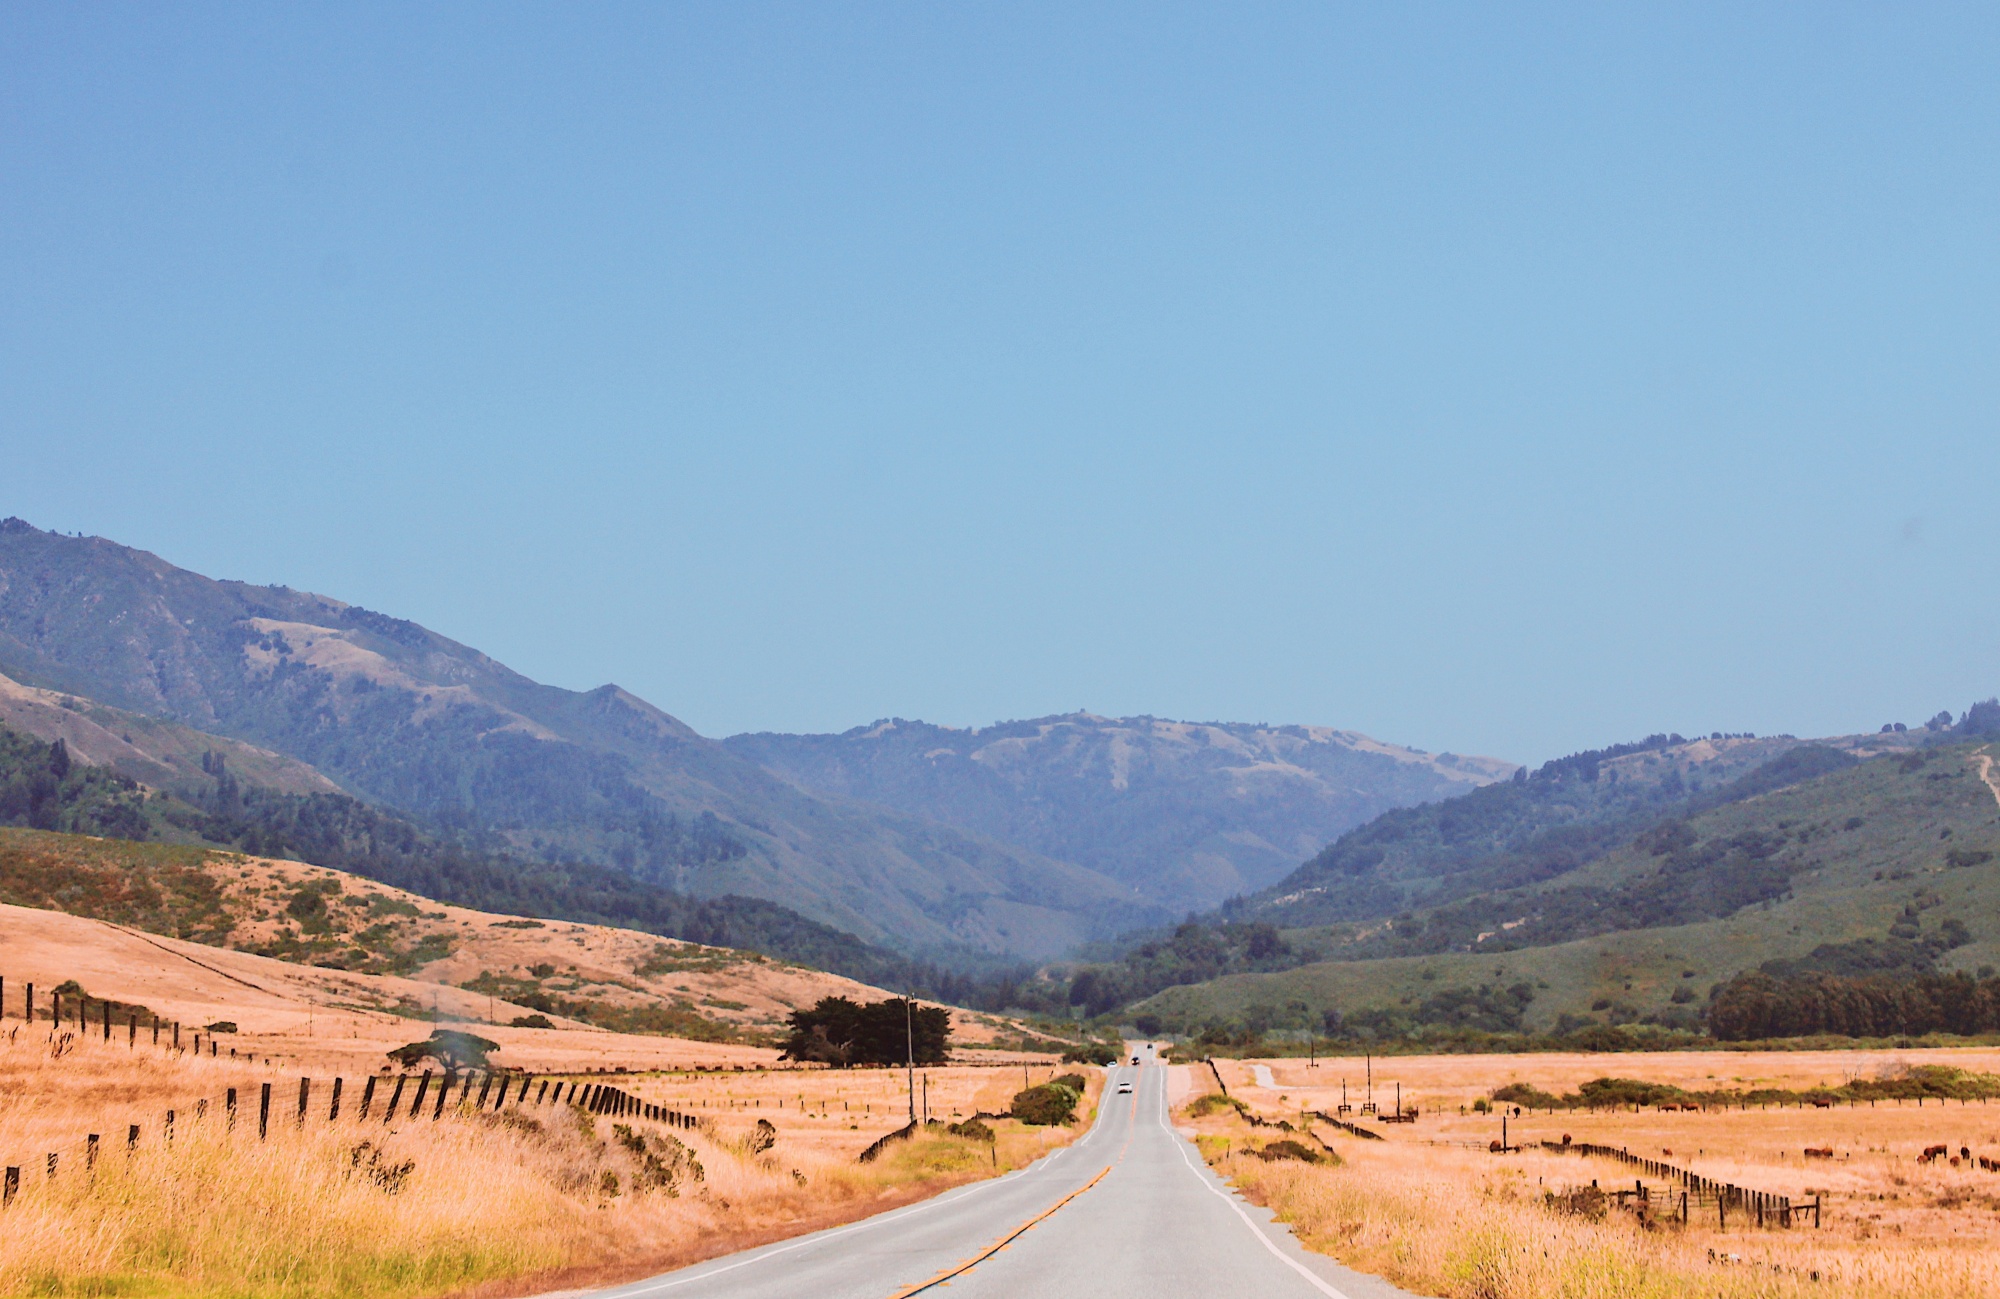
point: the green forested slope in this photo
(1890, 865)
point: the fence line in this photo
(1763, 1206)
(497, 1088)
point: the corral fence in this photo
(1764, 1208)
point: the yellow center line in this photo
(1014, 1235)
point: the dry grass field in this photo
(1432, 1208)
(479, 1200)
(528, 1198)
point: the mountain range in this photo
(1187, 814)
(1032, 839)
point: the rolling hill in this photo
(1882, 858)
(1185, 813)
(402, 717)
(337, 940)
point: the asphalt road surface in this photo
(1129, 1211)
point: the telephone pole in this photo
(910, 1039)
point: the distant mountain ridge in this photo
(399, 715)
(1186, 813)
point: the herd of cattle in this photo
(1964, 1156)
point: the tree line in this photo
(1761, 1005)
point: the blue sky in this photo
(1504, 379)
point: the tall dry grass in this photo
(1446, 1220)
(492, 1203)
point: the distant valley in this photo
(1187, 814)
(1338, 885)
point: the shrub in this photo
(1047, 1105)
(1203, 1106)
(1288, 1149)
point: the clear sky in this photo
(1504, 379)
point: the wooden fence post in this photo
(177, 1035)
(132, 1030)
(90, 1153)
(423, 1086)
(168, 1132)
(305, 1089)
(131, 1138)
(264, 1112)
(333, 1114)
(52, 1165)
(11, 1187)
(30, 1016)
(485, 1088)
(539, 1095)
(444, 1090)
(395, 1098)
(107, 1020)
(367, 1097)
(229, 1109)
(156, 1030)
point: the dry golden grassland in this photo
(325, 1020)
(367, 945)
(532, 1198)
(1431, 1208)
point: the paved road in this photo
(1129, 1211)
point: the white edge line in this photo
(1312, 1278)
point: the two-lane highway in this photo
(1129, 1211)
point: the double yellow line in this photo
(960, 1269)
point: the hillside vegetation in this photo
(594, 975)
(1884, 867)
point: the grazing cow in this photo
(1668, 1153)
(1821, 1103)
(1495, 1146)
(1565, 1138)
(1690, 1105)
(1931, 1154)
(1965, 1152)
(1819, 1152)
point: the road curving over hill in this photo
(1130, 1211)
